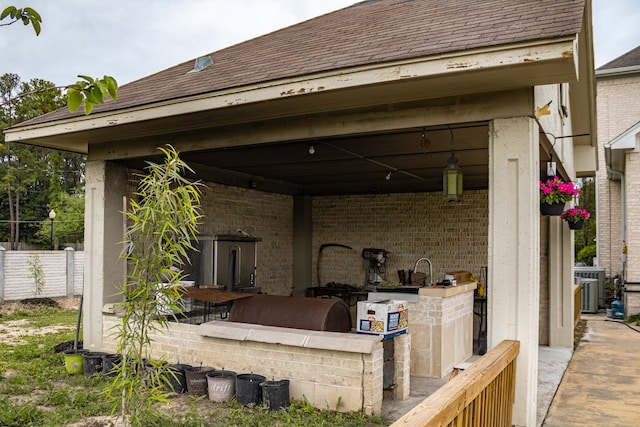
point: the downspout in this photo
(623, 227)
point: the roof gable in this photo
(366, 33)
(629, 59)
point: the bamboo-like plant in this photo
(162, 223)
(35, 268)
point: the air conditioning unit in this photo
(589, 296)
(593, 273)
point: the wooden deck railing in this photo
(481, 395)
(577, 304)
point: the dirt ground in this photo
(11, 331)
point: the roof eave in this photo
(583, 99)
(617, 72)
(556, 57)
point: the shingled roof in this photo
(629, 59)
(369, 32)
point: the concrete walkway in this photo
(601, 386)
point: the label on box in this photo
(382, 317)
(365, 325)
(393, 321)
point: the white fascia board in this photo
(628, 140)
(616, 72)
(536, 52)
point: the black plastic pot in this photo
(177, 380)
(110, 362)
(196, 379)
(248, 390)
(275, 394)
(93, 362)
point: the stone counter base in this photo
(335, 371)
(441, 324)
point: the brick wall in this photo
(266, 215)
(333, 371)
(632, 186)
(409, 226)
(618, 105)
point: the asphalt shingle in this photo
(369, 32)
(629, 59)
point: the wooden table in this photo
(213, 295)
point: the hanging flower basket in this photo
(576, 225)
(575, 217)
(552, 209)
(554, 193)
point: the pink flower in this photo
(575, 215)
(554, 190)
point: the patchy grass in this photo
(633, 320)
(35, 389)
(578, 333)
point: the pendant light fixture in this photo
(452, 180)
(452, 177)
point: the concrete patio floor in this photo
(601, 386)
(598, 384)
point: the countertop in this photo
(449, 291)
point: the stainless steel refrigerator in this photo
(225, 260)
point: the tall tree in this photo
(585, 245)
(30, 175)
(16, 178)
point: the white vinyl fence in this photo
(62, 274)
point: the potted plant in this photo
(575, 217)
(554, 193)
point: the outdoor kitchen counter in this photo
(448, 291)
(441, 327)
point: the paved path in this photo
(601, 386)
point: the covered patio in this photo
(346, 143)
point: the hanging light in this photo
(425, 143)
(388, 176)
(452, 180)
(312, 149)
(551, 166)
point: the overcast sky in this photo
(130, 39)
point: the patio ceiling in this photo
(354, 164)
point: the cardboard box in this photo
(386, 317)
(460, 276)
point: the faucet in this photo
(415, 269)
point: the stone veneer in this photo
(336, 371)
(441, 325)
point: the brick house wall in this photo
(633, 209)
(618, 106)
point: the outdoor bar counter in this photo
(440, 325)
